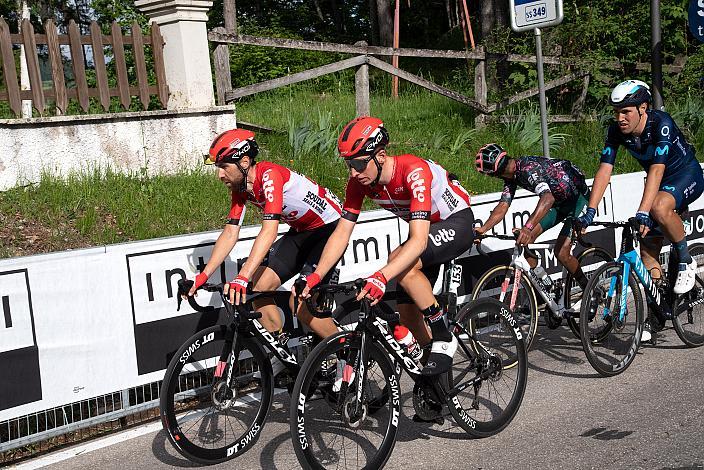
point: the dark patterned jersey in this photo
(541, 174)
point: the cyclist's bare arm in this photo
(496, 216)
(223, 246)
(410, 251)
(262, 244)
(545, 202)
(601, 181)
(334, 248)
(652, 186)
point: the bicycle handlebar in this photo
(381, 309)
(185, 285)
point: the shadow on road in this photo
(167, 456)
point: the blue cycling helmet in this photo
(630, 93)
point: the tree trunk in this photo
(338, 15)
(488, 22)
(385, 15)
(374, 22)
(318, 10)
(450, 22)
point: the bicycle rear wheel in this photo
(611, 340)
(329, 429)
(491, 352)
(688, 317)
(589, 260)
(526, 308)
(204, 419)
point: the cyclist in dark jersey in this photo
(562, 192)
(674, 177)
(439, 218)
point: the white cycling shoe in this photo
(685, 277)
(440, 359)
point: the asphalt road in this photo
(651, 417)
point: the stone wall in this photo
(160, 141)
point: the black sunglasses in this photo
(358, 164)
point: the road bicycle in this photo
(219, 385)
(560, 297)
(612, 312)
(354, 425)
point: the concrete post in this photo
(186, 53)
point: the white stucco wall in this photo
(161, 141)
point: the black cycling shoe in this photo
(551, 320)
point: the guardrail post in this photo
(361, 87)
(186, 53)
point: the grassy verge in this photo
(102, 207)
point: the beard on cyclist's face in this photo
(230, 175)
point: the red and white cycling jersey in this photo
(419, 189)
(284, 194)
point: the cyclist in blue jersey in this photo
(674, 177)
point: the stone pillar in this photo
(186, 53)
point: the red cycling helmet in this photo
(491, 159)
(361, 137)
(231, 146)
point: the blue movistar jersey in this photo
(661, 142)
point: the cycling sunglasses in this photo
(358, 164)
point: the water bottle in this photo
(405, 338)
(542, 275)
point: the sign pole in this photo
(541, 88)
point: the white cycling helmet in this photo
(630, 93)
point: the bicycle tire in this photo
(191, 395)
(493, 411)
(575, 291)
(610, 348)
(315, 448)
(689, 322)
(526, 310)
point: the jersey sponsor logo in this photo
(607, 152)
(415, 215)
(450, 199)
(664, 150)
(315, 202)
(542, 187)
(268, 186)
(665, 131)
(417, 184)
(669, 188)
(443, 236)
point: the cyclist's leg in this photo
(265, 279)
(448, 239)
(408, 310)
(309, 249)
(563, 244)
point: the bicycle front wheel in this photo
(526, 308)
(330, 428)
(589, 260)
(610, 331)
(492, 355)
(206, 420)
(688, 317)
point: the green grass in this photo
(102, 207)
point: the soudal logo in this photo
(417, 184)
(443, 236)
(268, 187)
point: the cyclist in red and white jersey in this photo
(311, 211)
(440, 229)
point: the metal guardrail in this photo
(61, 420)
